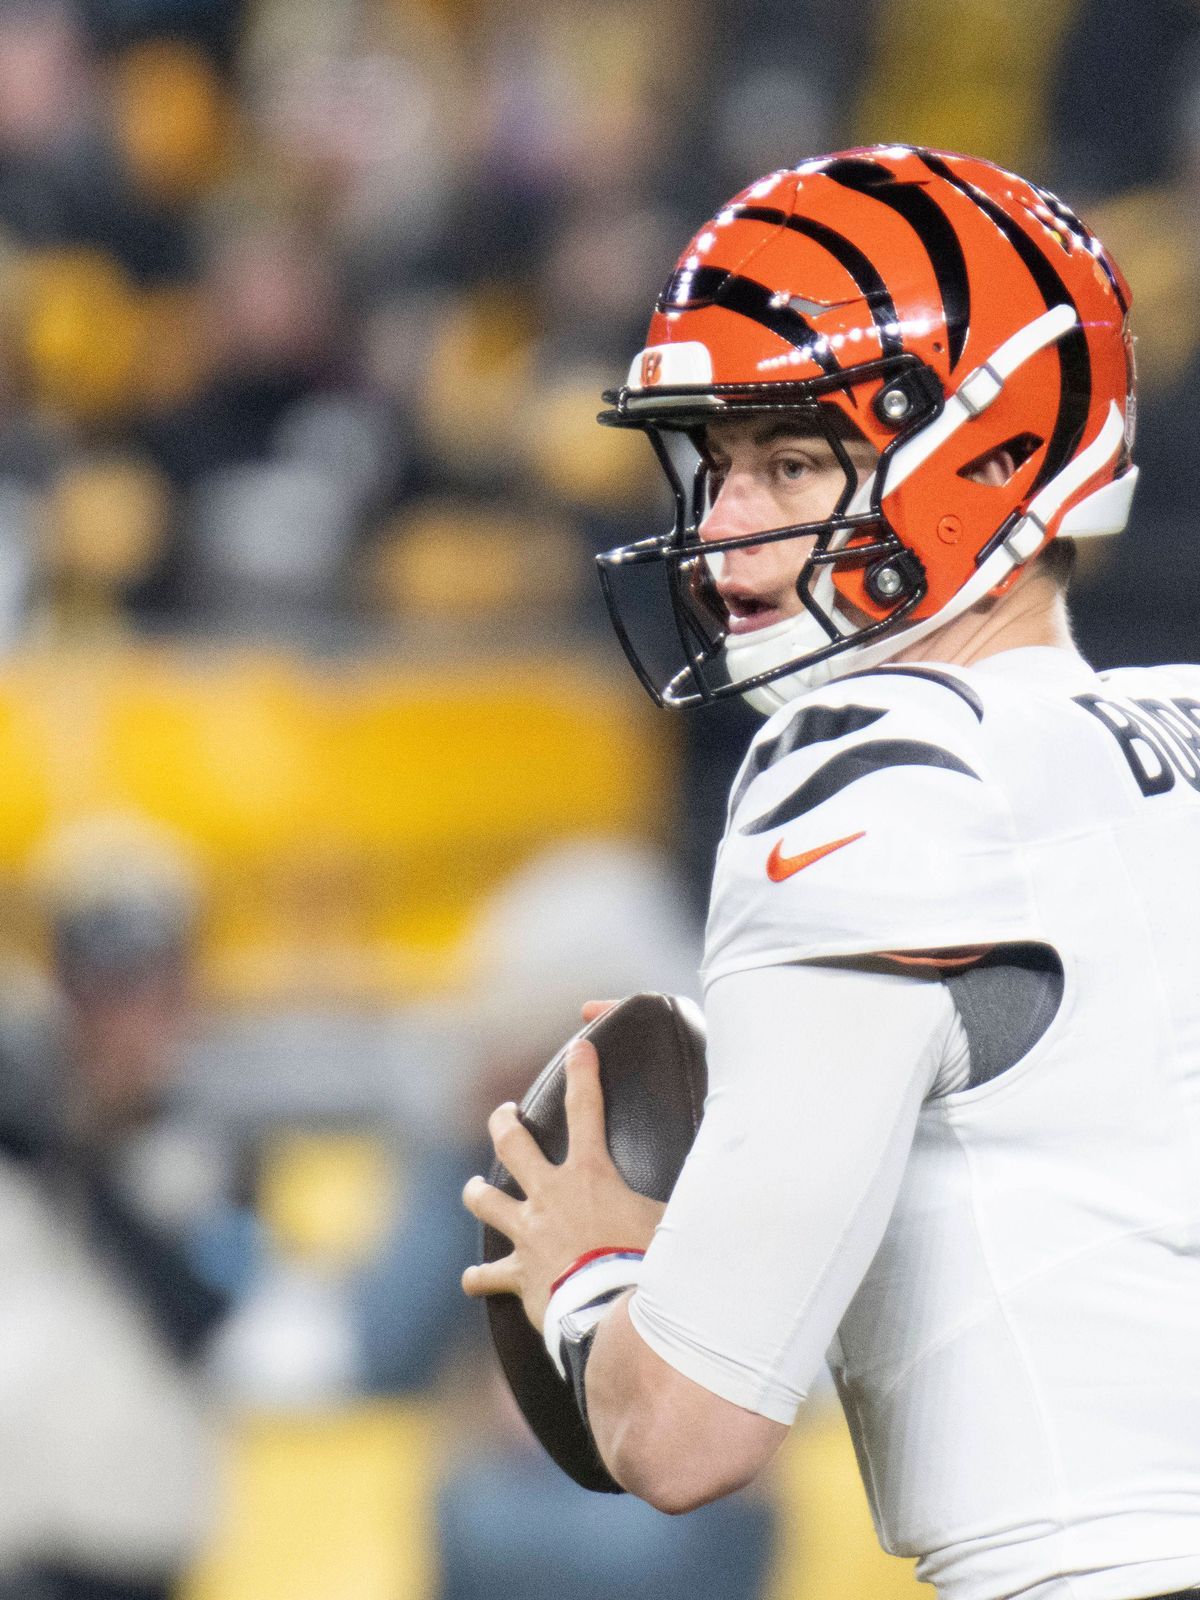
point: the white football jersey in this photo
(1020, 1366)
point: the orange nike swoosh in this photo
(780, 866)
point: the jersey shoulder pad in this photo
(866, 819)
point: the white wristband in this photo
(576, 1294)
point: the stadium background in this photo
(305, 307)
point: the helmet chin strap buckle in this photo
(979, 388)
(1027, 537)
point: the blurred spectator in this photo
(591, 918)
(587, 919)
(47, 122)
(583, 919)
(104, 1431)
(102, 527)
(319, 1323)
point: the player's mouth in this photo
(747, 613)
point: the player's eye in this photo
(791, 469)
(714, 478)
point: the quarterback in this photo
(952, 1139)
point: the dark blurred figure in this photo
(1136, 603)
(214, 25)
(108, 1471)
(584, 914)
(1114, 107)
(65, 174)
(262, 533)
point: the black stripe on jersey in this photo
(930, 224)
(690, 289)
(1075, 364)
(816, 725)
(931, 675)
(876, 755)
(860, 267)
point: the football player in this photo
(952, 1139)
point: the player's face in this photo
(770, 475)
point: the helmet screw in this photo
(887, 582)
(895, 404)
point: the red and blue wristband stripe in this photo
(603, 1252)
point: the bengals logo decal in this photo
(651, 368)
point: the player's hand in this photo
(582, 1205)
(596, 1008)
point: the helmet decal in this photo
(871, 285)
(931, 226)
(705, 286)
(651, 368)
(1074, 363)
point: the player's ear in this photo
(994, 469)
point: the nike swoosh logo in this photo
(780, 866)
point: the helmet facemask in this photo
(852, 547)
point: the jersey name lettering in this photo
(1160, 739)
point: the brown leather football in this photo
(653, 1074)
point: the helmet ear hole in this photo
(1011, 456)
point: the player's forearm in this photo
(663, 1437)
(773, 1223)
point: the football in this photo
(654, 1078)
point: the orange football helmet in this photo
(942, 308)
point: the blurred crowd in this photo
(308, 303)
(305, 311)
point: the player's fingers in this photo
(596, 1008)
(490, 1205)
(584, 1102)
(491, 1277)
(515, 1145)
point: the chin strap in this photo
(1104, 512)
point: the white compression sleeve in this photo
(816, 1077)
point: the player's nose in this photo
(735, 511)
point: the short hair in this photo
(1057, 561)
